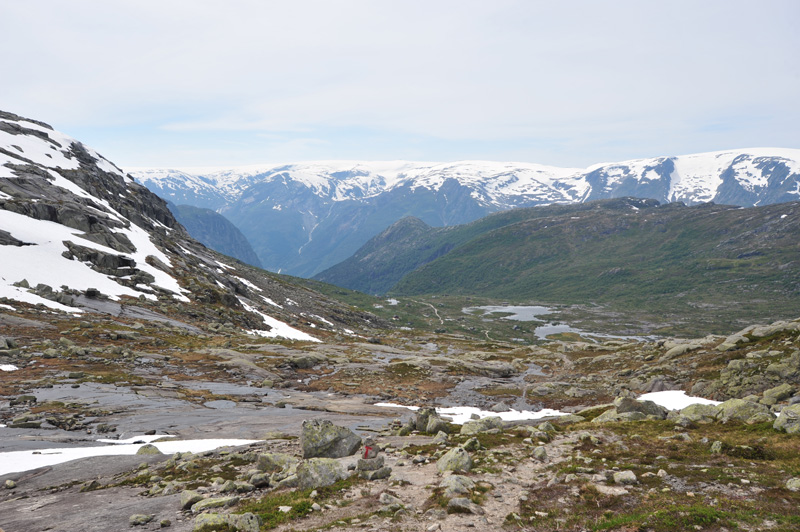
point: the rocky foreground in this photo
(329, 460)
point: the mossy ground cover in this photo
(741, 488)
(269, 506)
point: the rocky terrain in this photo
(613, 463)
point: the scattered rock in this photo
(793, 484)
(321, 438)
(625, 477)
(189, 498)
(464, 505)
(456, 459)
(319, 472)
(148, 449)
(481, 425)
(456, 485)
(140, 519)
(788, 420)
(745, 411)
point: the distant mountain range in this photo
(304, 218)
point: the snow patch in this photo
(18, 461)
(8, 367)
(675, 399)
(278, 328)
(461, 414)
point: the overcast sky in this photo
(180, 83)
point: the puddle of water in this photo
(518, 312)
(532, 313)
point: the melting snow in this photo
(17, 461)
(462, 414)
(675, 399)
(278, 328)
(8, 367)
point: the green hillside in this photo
(712, 263)
(708, 254)
(410, 243)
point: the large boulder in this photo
(742, 410)
(788, 420)
(457, 485)
(319, 472)
(481, 425)
(456, 459)
(271, 462)
(321, 438)
(777, 394)
(700, 413)
(648, 408)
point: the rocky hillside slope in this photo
(612, 463)
(303, 218)
(77, 235)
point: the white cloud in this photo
(476, 73)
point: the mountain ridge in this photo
(305, 217)
(78, 235)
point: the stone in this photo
(500, 407)
(456, 485)
(716, 447)
(788, 420)
(440, 437)
(625, 477)
(370, 464)
(793, 484)
(423, 417)
(472, 445)
(321, 438)
(260, 480)
(271, 462)
(648, 408)
(189, 498)
(744, 411)
(148, 449)
(700, 413)
(383, 472)
(388, 499)
(216, 502)
(540, 453)
(681, 349)
(140, 519)
(481, 425)
(464, 505)
(436, 425)
(777, 394)
(456, 459)
(319, 472)
(10, 484)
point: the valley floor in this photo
(611, 465)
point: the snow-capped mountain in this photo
(303, 218)
(77, 234)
